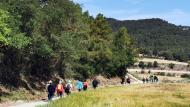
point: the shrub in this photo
(162, 73)
(185, 76)
(141, 64)
(155, 64)
(171, 66)
(142, 72)
(170, 75)
(149, 71)
(149, 65)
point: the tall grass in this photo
(163, 95)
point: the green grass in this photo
(163, 95)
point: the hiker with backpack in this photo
(126, 77)
(85, 85)
(95, 83)
(128, 80)
(147, 80)
(123, 80)
(68, 87)
(144, 80)
(60, 89)
(155, 78)
(51, 90)
(79, 85)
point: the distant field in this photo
(162, 95)
(162, 61)
(155, 71)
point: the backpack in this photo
(59, 87)
(85, 84)
(68, 87)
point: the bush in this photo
(149, 71)
(171, 66)
(170, 75)
(149, 65)
(185, 76)
(142, 72)
(141, 64)
(162, 73)
(155, 64)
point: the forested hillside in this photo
(41, 39)
(157, 37)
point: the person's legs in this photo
(85, 88)
(50, 96)
(79, 90)
(94, 86)
(59, 94)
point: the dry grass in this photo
(161, 61)
(162, 95)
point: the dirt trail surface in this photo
(155, 71)
(38, 103)
(31, 104)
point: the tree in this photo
(141, 64)
(155, 52)
(43, 39)
(171, 65)
(123, 51)
(99, 51)
(155, 64)
(167, 55)
(149, 65)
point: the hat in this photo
(50, 81)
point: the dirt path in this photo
(31, 104)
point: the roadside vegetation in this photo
(162, 95)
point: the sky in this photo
(173, 11)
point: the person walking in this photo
(128, 80)
(143, 80)
(85, 85)
(147, 80)
(68, 87)
(51, 90)
(79, 85)
(60, 89)
(95, 83)
(126, 77)
(155, 78)
(123, 80)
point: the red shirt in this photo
(59, 88)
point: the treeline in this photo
(156, 37)
(43, 38)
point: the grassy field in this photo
(162, 95)
(161, 61)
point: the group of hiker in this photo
(66, 87)
(125, 80)
(151, 78)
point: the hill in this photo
(157, 37)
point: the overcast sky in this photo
(174, 11)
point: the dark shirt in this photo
(95, 82)
(51, 89)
